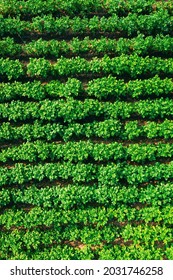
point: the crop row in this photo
(100, 88)
(38, 48)
(157, 22)
(111, 87)
(87, 7)
(73, 195)
(86, 150)
(109, 252)
(132, 65)
(75, 110)
(36, 240)
(98, 217)
(110, 174)
(88, 252)
(104, 129)
(35, 90)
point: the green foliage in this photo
(156, 22)
(11, 69)
(86, 129)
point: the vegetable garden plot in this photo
(86, 130)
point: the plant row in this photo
(43, 48)
(37, 91)
(132, 65)
(37, 7)
(36, 240)
(100, 217)
(106, 87)
(72, 196)
(110, 174)
(76, 110)
(105, 129)
(89, 252)
(157, 22)
(100, 88)
(86, 150)
(88, 216)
